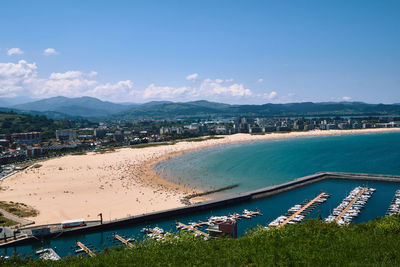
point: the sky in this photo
(240, 52)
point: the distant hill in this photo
(82, 106)
(48, 114)
(207, 109)
(93, 108)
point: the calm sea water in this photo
(260, 164)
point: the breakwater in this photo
(217, 203)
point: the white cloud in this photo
(260, 80)
(50, 51)
(92, 74)
(270, 95)
(192, 76)
(16, 77)
(66, 75)
(20, 78)
(113, 90)
(211, 87)
(14, 51)
(164, 92)
(346, 98)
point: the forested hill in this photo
(11, 122)
(205, 109)
(95, 109)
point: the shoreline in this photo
(121, 183)
(248, 138)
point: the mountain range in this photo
(92, 108)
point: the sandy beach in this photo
(119, 183)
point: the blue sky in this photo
(228, 51)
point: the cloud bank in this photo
(22, 79)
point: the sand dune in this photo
(117, 184)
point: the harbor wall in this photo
(240, 198)
(223, 202)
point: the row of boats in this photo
(298, 212)
(351, 206)
(214, 220)
(156, 233)
(394, 207)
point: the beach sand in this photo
(117, 184)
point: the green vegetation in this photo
(19, 209)
(6, 222)
(313, 243)
(11, 122)
(205, 109)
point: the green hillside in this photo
(206, 109)
(92, 108)
(81, 106)
(11, 122)
(313, 243)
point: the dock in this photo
(221, 219)
(323, 194)
(160, 235)
(123, 241)
(85, 249)
(394, 207)
(350, 204)
(48, 254)
(192, 229)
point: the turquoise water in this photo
(259, 164)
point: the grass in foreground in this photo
(310, 244)
(19, 209)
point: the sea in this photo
(259, 164)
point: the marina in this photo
(298, 212)
(351, 206)
(271, 207)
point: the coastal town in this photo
(26, 146)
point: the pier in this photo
(85, 249)
(322, 195)
(123, 241)
(48, 254)
(394, 207)
(160, 235)
(192, 228)
(351, 204)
